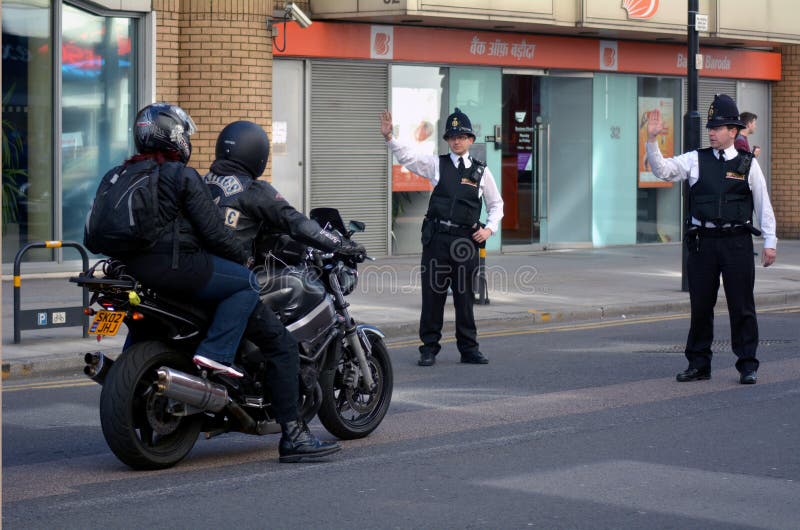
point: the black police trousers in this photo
(282, 357)
(729, 253)
(448, 260)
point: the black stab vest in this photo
(456, 199)
(722, 193)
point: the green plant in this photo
(398, 198)
(12, 149)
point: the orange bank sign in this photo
(486, 48)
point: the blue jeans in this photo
(230, 286)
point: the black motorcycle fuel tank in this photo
(300, 300)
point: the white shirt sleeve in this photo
(678, 168)
(423, 165)
(493, 200)
(762, 205)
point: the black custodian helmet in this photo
(458, 123)
(246, 143)
(723, 111)
(164, 127)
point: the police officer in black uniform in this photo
(726, 187)
(248, 204)
(451, 233)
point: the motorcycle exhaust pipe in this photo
(97, 367)
(193, 391)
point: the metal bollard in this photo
(482, 287)
(55, 317)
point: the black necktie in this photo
(721, 156)
(460, 166)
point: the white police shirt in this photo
(687, 166)
(428, 166)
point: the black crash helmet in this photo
(247, 144)
(164, 127)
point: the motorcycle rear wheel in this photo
(349, 413)
(137, 427)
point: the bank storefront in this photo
(561, 122)
(63, 127)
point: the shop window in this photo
(416, 110)
(97, 78)
(27, 128)
(98, 105)
(658, 203)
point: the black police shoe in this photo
(298, 443)
(748, 377)
(426, 359)
(474, 358)
(693, 374)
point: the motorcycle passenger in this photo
(248, 205)
(194, 258)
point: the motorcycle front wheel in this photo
(137, 425)
(350, 413)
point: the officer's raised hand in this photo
(655, 125)
(386, 124)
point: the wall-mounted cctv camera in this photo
(295, 13)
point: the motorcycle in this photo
(155, 401)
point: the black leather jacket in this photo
(182, 193)
(248, 204)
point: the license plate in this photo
(106, 323)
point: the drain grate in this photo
(717, 345)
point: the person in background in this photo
(726, 187)
(742, 141)
(451, 233)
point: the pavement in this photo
(533, 288)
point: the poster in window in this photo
(415, 112)
(648, 108)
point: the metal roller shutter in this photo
(706, 90)
(348, 157)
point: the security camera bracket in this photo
(282, 17)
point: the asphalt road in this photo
(571, 426)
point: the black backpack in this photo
(124, 216)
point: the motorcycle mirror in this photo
(356, 226)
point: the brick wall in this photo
(214, 59)
(785, 193)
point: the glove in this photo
(350, 248)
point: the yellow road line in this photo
(74, 383)
(70, 383)
(583, 326)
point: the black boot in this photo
(297, 443)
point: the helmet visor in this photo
(188, 123)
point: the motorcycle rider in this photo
(248, 205)
(194, 256)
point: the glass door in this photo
(547, 161)
(522, 142)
